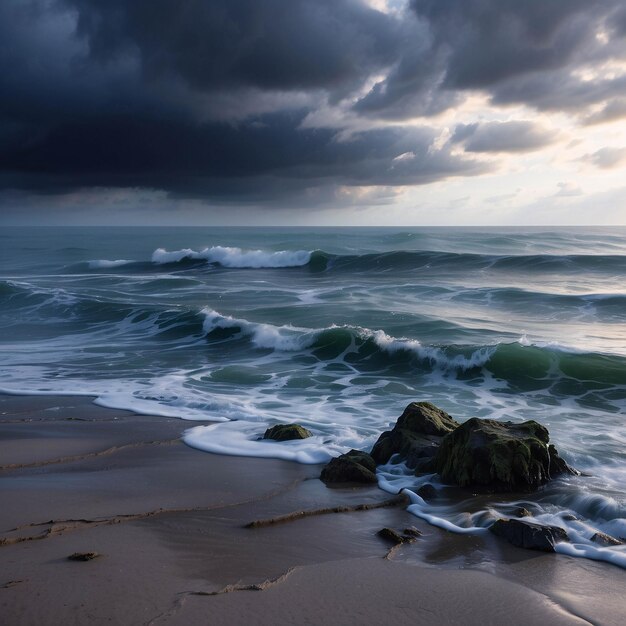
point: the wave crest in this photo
(366, 343)
(105, 263)
(235, 257)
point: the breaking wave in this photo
(235, 257)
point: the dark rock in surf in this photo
(352, 467)
(603, 539)
(287, 432)
(427, 492)
(522, 511)
(415, 436)
(499, 456)
(529, 535)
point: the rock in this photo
(568, 517)
(499, 456)
(395, 537)
(83, 556)
(529, 535)
(605, 540)
(411, 531)
(415, 436)
(287, 432)
(427, 492)
(354, 466)
(426, 419)
(522, 512)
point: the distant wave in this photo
(406, 260)
(104, 263)
(319, 261)
(235, 257)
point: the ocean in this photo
(339, 329)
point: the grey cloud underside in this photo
(607, 158)
(614, 110)
(270, 156)
(205, 98)
(516, 52)
(520, 136)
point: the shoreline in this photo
(169, 522)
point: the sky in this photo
(313, 112)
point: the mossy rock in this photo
(352, 467)
(499, 456)
(287, 432)
(424, 418)
(415, 436)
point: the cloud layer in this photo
(213, 99)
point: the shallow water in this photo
(337, 329)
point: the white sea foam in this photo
(105, 264)
(557, 346)
(616, 556)
(236, 257)
(243, 439)
(396, 479)
(435, 355)
(266, 336)
(285, 338)
(418, 506)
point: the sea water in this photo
(338, 330)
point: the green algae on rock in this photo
(499, 456)
(354, 466)
(415, 436)
(287, 432)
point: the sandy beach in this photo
(169, 525)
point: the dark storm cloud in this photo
(516, 136)
(271, 155)
(96, 100)
(206, 98)
(515, 51)
(273, 44)
(559, 91)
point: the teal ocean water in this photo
(338, 329)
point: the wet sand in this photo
(169, 524)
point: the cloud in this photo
(514, 136)
(613, 110)
(219, 99)
(607, 158)
(118, 99)
(265, 157)
(559, 91)
(232, 44)
(515, 52)
(567, 190)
